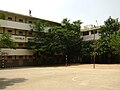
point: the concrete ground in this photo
(77, 77)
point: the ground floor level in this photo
(16, 61)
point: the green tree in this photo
(64, 39)
(110, 27)
(115, 43)
(6, 41)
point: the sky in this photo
(88, 11)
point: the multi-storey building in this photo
(90, 32)
(18, 26)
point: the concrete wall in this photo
(17, 51)
(15, 25)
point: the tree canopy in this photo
(6, 41)
(58, 40)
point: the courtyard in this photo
(75, 77)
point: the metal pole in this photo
(66, 59)
(94, 53)
(3, 60)
(94, 62)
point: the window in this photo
(20, 57)
(20, 20)
(9, 59)
(30, 40)
(30, 21)
(20, 45)
(30, 33)
(30, 58)
(94, 32)
(20, 32)
(86, 33)
(10, 31)
(9, 18)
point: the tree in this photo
(58, 40)
(110, 27)
(115, 43)
(6, 41)
(73, 27)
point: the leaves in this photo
(6, 41)
(110, 27)
(115, 43)
(63, 39)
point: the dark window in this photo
(9, 18)
(20, 45)
(20, 57)
(9, 57)
(20, 32)
(30, 40)
(30, 21)
(94, 32)
(86, 33)
(20, 20)
(30, 33)
(10, 31)
(30, 57)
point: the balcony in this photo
(15, 25)
(20, 38)
(17, 51)
(90, 37)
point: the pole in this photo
(3, 54)
(3, 60)
(94, 53)
(66, 60)
(94, 62)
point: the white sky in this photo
(88, 11)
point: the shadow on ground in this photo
(4, 82)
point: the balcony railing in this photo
(20, 38)
(17, 51)
(91, 37)
(15, 25)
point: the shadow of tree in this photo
(4, 82)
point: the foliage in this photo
(107, 43)
(57, 40)
(115, 43)
(87, 48)
(6, 41)
(110, 27)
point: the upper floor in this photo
(18, 26)
(19, 21)
(90, 32)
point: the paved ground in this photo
(80, 77)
